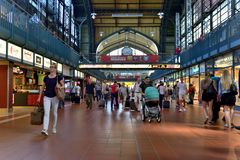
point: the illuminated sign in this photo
(3, 45)
(59, 67)
(27, 56)
(223, 62)
(194, 70)
(38, 60)
(130, 59)
(202, 68)
(129, 66)
(47, 63)
(53, 62)
(14, 52)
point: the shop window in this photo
(197, 32)
(189, 38)
(206, 25)
(183, 26)
(197, 10)
(237, 6)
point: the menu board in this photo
(47, 63)
(38, 60)
(3, 45)
(27, 56)
(14, 52)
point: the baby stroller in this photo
(150, 106)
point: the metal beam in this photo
(107, 10)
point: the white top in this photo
(182, 88)
(77, 90)
(162, 90)
(104, 87)
(123, 91)
(136, 87)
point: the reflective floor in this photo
(101, 134)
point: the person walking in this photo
(227, 87)
(182, 95)
(123, 94)
(89, 92)
(216, 100)
(162, 91)
(137, 94)
(105, 92)
(98, 91)
(51, 82)
(114, 94)
(191, 92)
(207, 92)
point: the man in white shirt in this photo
(182, 87)
(161, 94)
(137, 94)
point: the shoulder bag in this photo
(59, 91)
(233, 89)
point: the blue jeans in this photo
(99, 94)
(114, 96)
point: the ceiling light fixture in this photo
(152, 34)
(93, 15)
(160, 14)
(101, 33)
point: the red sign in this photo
(130, 59)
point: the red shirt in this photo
(114, 88)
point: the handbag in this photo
(233, 89)
(59, 92)
(211, 89)
(37, 115)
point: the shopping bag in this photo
(37, 115)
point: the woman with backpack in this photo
(207, 93)
(227, 92)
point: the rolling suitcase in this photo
(77, 99)
(166, 104)
(101, 103)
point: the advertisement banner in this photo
(27, 56)
(14, 52)
(3, 47)
(47, 63)
(38, 60)
(130, 59)
(59, 67)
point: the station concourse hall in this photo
(119, 80)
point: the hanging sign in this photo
(3, 47)
(38, 60)
(14, 52)
(223, 62)
(59, 67)
(27, 56)
(47, 63)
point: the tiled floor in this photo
(100, 134)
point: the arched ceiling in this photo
(127, 38)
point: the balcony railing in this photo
(16, 27)
(220, 40)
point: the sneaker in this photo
(44, 132)
(180, 110)
(54, 130)
(226, 125)
(184, 109)
(205, 122)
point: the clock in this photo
(127, 51)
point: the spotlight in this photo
(160, 14)
(93, 15)
(101, 34)
(152, 34)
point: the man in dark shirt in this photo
(146, 83)
(89, 92)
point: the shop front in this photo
(223, 63)
(195, 79)
(237, 71)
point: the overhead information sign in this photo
(129, 66)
